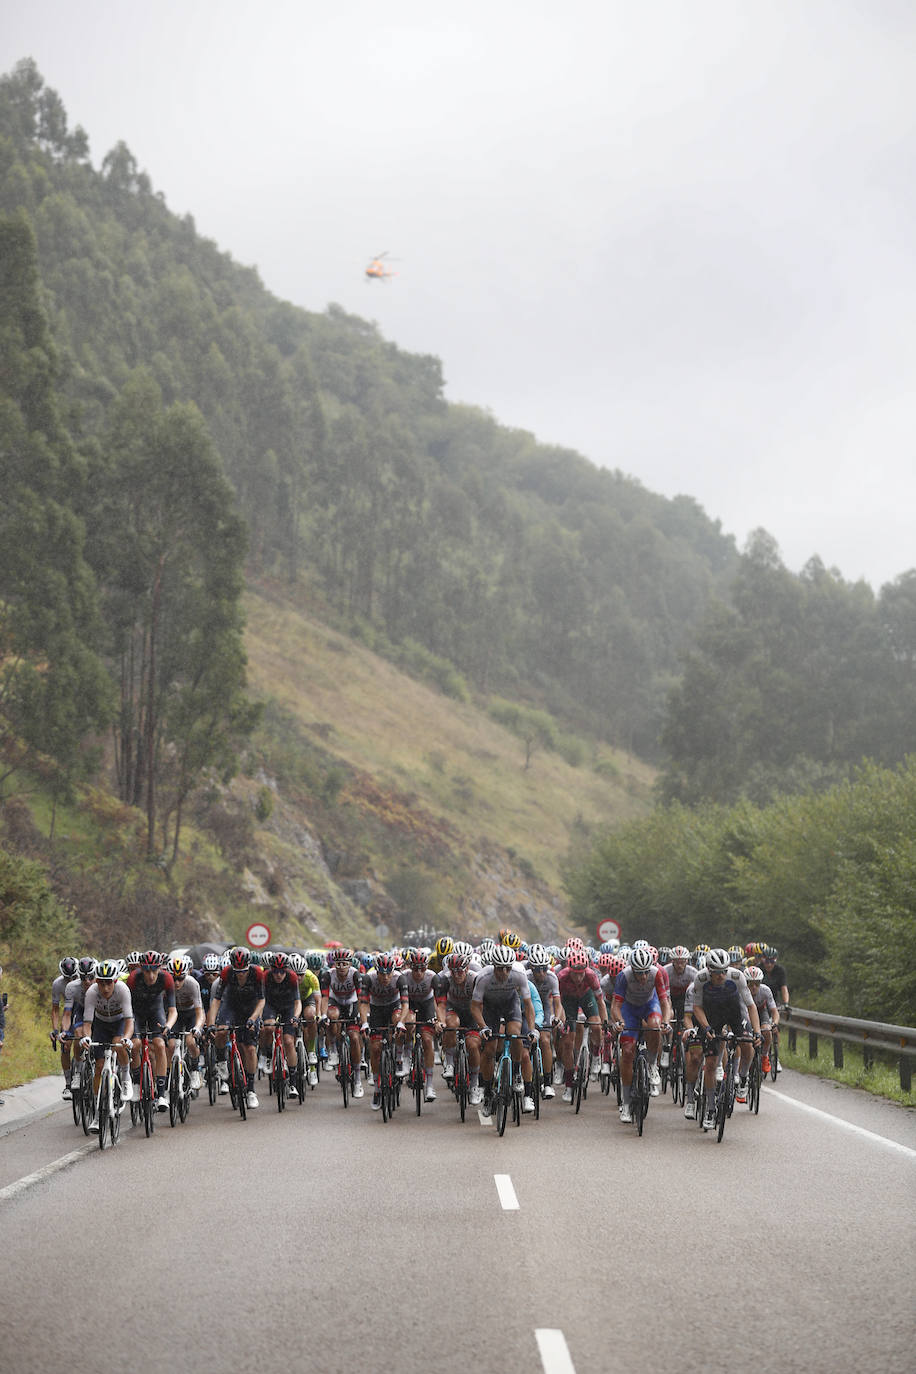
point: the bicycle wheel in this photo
(723, 1098)
(774, 1057)
(503, 1094)
(86, 1102)
(281, 1078)
(462, 1078)
(581, 1074)
(753, 1084)
(299, 1071)
(343, 1067)
(174, 1091)
(639, 1092)
(678, 1084)
(75, 1093)
(418, 1077)
(116, 1102)
(537, 1080)
(185, 1094)
(387, 1082)
(104, 1108)
(148, 1098)
(238, 1079)
(210, 1070)
(731, 1079)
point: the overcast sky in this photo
(678, 237)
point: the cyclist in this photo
(766, 1010)
(66, 975)
(383, 1002)
(419, 985)
(310, 995)
(774, 975)
(501, 993)
(190, 1010)
(108, 1020)
(721, 997)
(74, 1001)
(237, 999)
(580, 990)
(282, 1002)
(545, 980)
(317, 964)
(340, 1007)
(454, 989)
(444, 946)
(640, 1001)
(152, 994)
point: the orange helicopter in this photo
(377, 270)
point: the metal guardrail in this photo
(868, 1035)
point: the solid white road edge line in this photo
(14, 1189)
(506, 1193)
(554, 1351)
(838, 1121)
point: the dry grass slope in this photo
(446, 758)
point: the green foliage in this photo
(34, 926)
(263, 808)
(829, 878)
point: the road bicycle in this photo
(774, 1052)
(507, 1083)
(147, 1099)
(640, 1092)
(279, 1071)
(300, 1068)
(210, 1070)
(83, 1094)
(416, 1074)
(754, 1079)
(537, 1076)
(110, 1097)
(461, 1081)
(237, 1077)
(609, 1072)
(388, 1084)
(344, 1070)
(677, 1073)
(179, 1088)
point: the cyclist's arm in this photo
(617, 1009)
(476, 1009)
(602, 1005)
(128, 1027)
(258, 1010)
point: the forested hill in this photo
(411, 520)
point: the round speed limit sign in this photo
(258, 935)
(609, 930)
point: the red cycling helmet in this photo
(240, 958)
(577, 958)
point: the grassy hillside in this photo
(430, 792)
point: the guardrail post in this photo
(837, 1054)
(792, 1039)
(812, 1045)
(906, 1075)
(868, 1058)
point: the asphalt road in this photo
(324, 1239)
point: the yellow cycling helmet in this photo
(444, 946)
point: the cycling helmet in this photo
(577, 958)
(640, 944)
(297, 963)
(654, 952)
(768, 952)
(385, 963)
(68, 966)
(444, 946)
(502, 956)
(717, 960)
(617, 965)
(574, 942)
(510, 939)
(133, 959)
(680, 952)
(315, 961)
(641, 959)
(538, 957)
(418, 958)
(753, 974)
(224, 958)
(341, 955)
(735, 954)
(699, 961)
(179, 965)
(108, 968)
(605, 961)
(211, 963)
(458, 963)
(86, 966)
(664, 954)
(463, 947)
(151, 959)
(240, 958)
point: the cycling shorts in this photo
(636, 1016)
(588, 1002)
(106, 1032)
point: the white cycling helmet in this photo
(641, 960)
(502, 955)
(717, 960)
